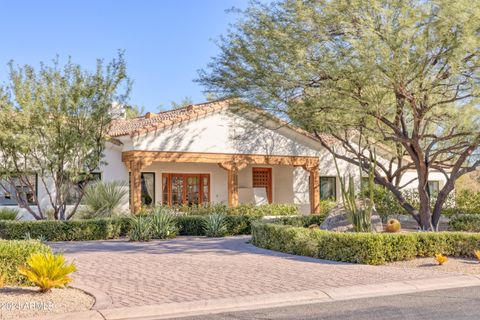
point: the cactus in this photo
(360, 216)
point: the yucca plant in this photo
(47, 271)
(105, 199)
(215, 225)
(9, 214)
(163, 224)
(141, 228)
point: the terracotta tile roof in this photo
(157, 121)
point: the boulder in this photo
(337, 220)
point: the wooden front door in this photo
(187, 189)
(262, 178)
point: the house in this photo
(214, 152)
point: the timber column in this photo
(314, 186)
(232, 169)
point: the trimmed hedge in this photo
(112, 228)
(56, 230)
(467, 222)
(368, 248)
(237, 225)
(14, 253)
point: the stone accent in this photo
(337, 220)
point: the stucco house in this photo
(212, 152)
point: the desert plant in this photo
(47, 271)
(215, 225)
(140, 228)
(9, 214)
(393, 225)
(105, 199)
(163, 224)
(360, 214)
(2, 280)
(476, 253)
(440, 258)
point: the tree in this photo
(54, 125)
(394, 75)
(134, 111)
(186, 101)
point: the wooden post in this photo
(314, 186)
(232, 169)
(232, 182)
(135, 186)
(315, 190)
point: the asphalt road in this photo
(462, 303)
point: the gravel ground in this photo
(26, 302)
(457, 265)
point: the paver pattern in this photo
(189, 269)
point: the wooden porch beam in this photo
(148, 157)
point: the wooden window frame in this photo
(270, 182)
(154, 199)
(185, 176)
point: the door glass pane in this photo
(177, 190)
(328, 188)
(193, 190)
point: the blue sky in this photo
(165, 41)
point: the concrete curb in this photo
(102, 299)
(170, 310)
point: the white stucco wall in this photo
(226, 132)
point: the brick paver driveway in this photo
(188, 269)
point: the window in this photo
(148, 188)
(328, 188)
(433, 186)
(12, 188)
(76, 189)
(189, 189)
(147, 183)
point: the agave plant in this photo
(105, 199)
(9, 214)
(140, 228)
(163, 224)
(47, 271)
(215, 225)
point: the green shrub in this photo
(369, 248)
(56, 230)
(163, 224)
(140, 228)
(215, 225)
(274, 209)
(111, 228)
(468, 202)
(467, 222)
(9, 213)
(14, 253)
(104, 199)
